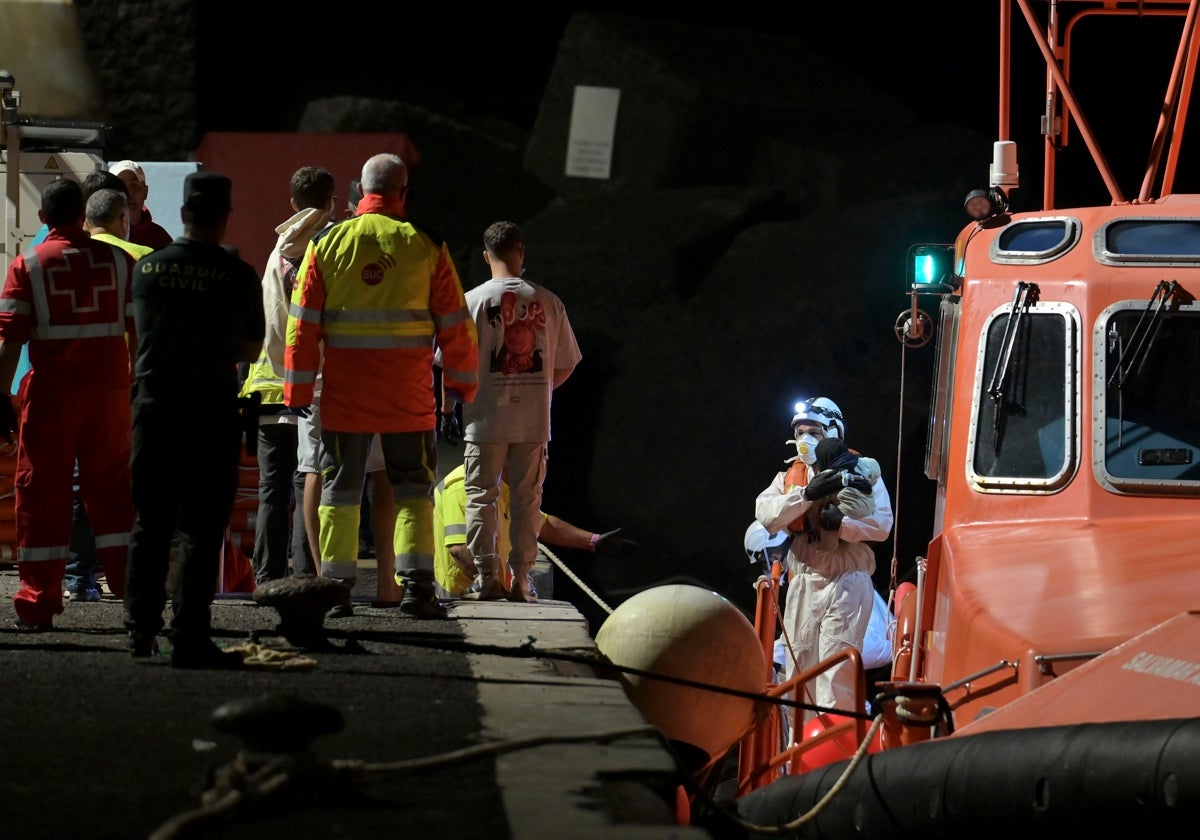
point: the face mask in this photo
(806, 448)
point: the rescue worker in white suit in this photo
(829, 598)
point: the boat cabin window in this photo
(1161, 241)
(1035, 241)
(1025, 421)
(1147, 398)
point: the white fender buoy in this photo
(695, 634)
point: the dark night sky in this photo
(498, 63)
(937, 58)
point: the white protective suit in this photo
(830, 593)
(877, 644)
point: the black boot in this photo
(143, 644)
(420, 597)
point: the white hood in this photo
(295, 233)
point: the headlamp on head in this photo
(805, 412)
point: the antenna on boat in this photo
(1003, 173)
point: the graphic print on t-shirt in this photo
(287, 273)
(520, 335)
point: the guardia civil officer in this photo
(198, 310)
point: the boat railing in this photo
(776, 745)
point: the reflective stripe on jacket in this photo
(69, 298)
(262, 379)
(378, 292)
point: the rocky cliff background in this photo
(748, 249)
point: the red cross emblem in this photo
(84, 283)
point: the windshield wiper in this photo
(1141, 340)
(1024, 296)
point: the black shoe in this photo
(204, 655)
(420, 595)
(142, 645)
(424, 609)
(340, 611)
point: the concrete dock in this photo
(490, 725)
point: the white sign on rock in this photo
(593, 124)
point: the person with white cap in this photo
(143, 230)
(830, 593)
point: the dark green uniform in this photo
(194, 302)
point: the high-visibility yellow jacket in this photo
(378, 293)
(261, 379)
(450, 528)
(265, 376)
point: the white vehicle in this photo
(34, 153)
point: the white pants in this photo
(822, 617)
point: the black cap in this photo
(207, 193)
(832, 453)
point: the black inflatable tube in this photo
(1141, 777)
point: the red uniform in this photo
(149, 232)
(69, 298)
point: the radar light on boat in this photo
(931, 269)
